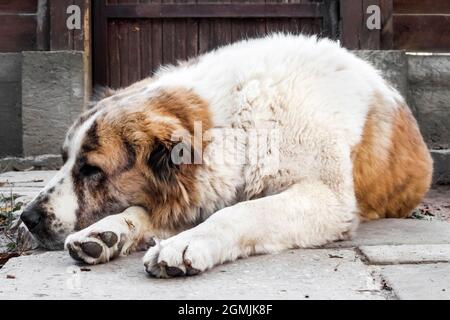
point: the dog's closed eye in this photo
(88, 170)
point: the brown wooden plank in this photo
(61, 38)
(18, 6)
(255, 27)
(422, 6)
(79, 36)
(157, 49)
(129, 48)
(355, 33)
(222, 32)
(192, 29)
(369, 38)
(275, 24)
(205, 26)
(156, 41)
(145, 35)
(249, 28)
(213, 32)
(113, 55)
(87, 47)
(219, 10)
(294, 25)
(422, 32)
(18, 33)
(43, 25)
(100, 43)
(309, 26)
(145, 47)
(387, 31)
(330, 21)
(134, 52)
(179, 37)
(238, 31)
(123, 52)
(133, 47)
(168, 38)
(129, 58)
(351, 23)
(205, 30)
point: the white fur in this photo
(317, 95)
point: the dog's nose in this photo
(31, 218)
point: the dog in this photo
(323, 143)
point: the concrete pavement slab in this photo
(27, 183)
(398, 231)
(403, 254)
(419, 282)
(296, 274)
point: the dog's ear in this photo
(160, 161)
(167, 158)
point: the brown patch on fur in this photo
(390, 179)
(132, 147)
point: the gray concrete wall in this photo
(392, 63)
(10, 104)
(429, 97)
(52, 98)
(425, 82)
(441, 167)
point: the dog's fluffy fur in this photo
(348, 148)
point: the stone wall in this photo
(52, 98)
(10, 104)
(392, 63)
(424, 80)
(429, 97)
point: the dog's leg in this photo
(308, 214)
(112, 236)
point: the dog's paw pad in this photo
(92, 249)
(109, 238)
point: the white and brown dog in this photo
(347, 148)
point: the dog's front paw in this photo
(179, 256)
(94, 246)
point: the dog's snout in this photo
(31, 217)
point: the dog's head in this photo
(119, 154)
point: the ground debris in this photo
(4, 257)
